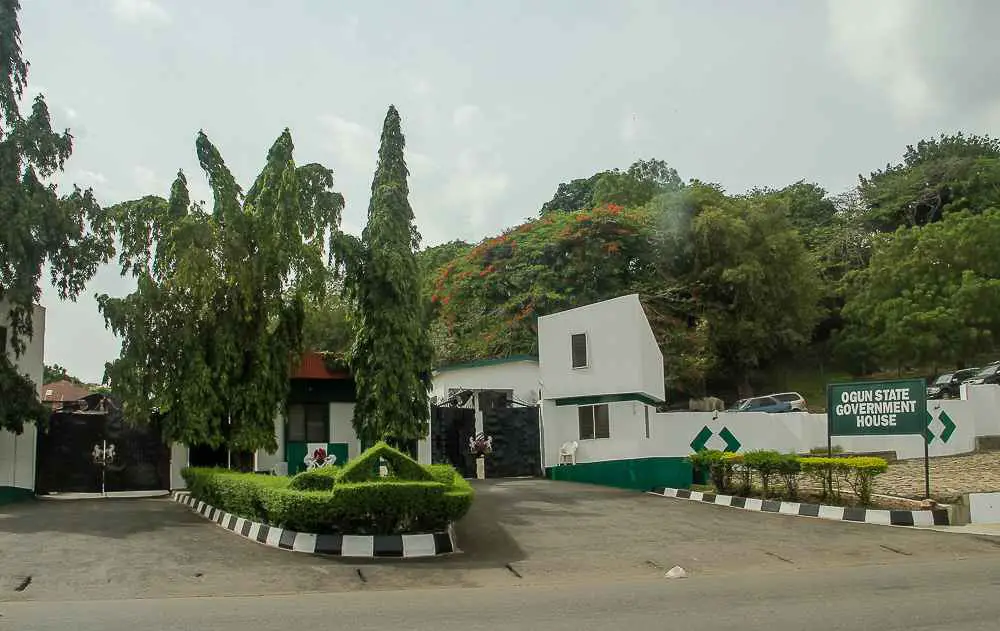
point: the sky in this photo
(500, 101)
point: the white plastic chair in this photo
(567, 453)
(280, 468)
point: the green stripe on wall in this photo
(608, 398)
(11, 494)
(496, 361)
(641, 474)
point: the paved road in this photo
(549, 533)
(946, 595)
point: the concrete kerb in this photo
(347, 546)
(919, 518)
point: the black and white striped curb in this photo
(935, 517)
(354, 546)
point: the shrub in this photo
(365, 467)
(789, 468)
(237, 493)
(861, 473)
(711, 460)
(318, 479)
(825, 473)
(739, 472)
(766, 464)
(376, 506)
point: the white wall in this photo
(17, 453)
(618, 351)
(521, 376)
(342, 428)
(671, 434)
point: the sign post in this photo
(878, 408)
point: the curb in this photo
(348, 546)
(882, 517)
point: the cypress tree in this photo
(391, 355)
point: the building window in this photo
(3, 339)
(594, 421)
(578, 343)
(308, 423)
(645, 409)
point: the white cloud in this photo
(146, 179)
(137, 11)
(629, 128)
(90, 178)
(875, 41)
(464, 115)
(71, 113)
(353, 144)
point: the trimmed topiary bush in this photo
(365, 466)
(318, 479)
(372, 506)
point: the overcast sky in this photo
(500, 101)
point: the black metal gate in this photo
(516, 438)
(451, 429)
(66, 451)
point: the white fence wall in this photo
(671, 434)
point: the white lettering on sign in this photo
(875, 408)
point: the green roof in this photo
(477, 363)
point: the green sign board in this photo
(877, 408)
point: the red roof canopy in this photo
(312, 366)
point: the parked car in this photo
(946, 386)
(764, 404)
(796, 401)
(987, 374)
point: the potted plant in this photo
(480, 445)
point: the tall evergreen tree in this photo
(38, 227)
(391, 355)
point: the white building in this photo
(17, 453)
(602, 376)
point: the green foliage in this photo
(40, 228)
(391, 356)
(327, 326)
(318, 479)
(262, 255)
(237, 493)
(937, 177)
(857, 472)
(766, 464)
(931, 294)
(749, 260)
(56, 372)
(365, 467)
(633, 187)
(713, 461)
(488, 300)
(376, 506)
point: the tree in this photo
(39, 227)
(216, 322)
(751, 283)
(391, 356)
(328, 326)
(641, 182)
(56, 372)
(488, 299)
(931, 294)
(938, 176)
(431, 260)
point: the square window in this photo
(594, 421)
(578, 344)
(308, 423)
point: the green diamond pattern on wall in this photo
(946, 422)
(700, 441)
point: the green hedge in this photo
(319, 479)
(735, 472)
(373, 506)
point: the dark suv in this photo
(946, 385)
(988, 374)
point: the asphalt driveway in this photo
(527, 532)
